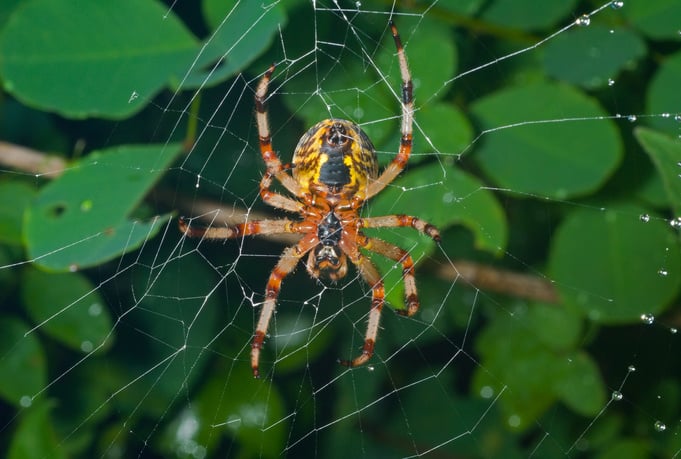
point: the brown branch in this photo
(510, 283)
(31, 161)
(214, 213)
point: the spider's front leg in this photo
(251, 228)
(272, 161)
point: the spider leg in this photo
(250, 228)
(275, 199)
(387, 221)
(286, 264)
(272, 161)
(401, 256)
(373, 278)
(397, 165)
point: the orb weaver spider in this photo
(334, 172)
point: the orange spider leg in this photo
(278, 200)
(286, 264)
(400, 161)
(373, 278)
(272, 161)
(401, 256)
(243, 229)
(386, 221)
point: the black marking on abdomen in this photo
(334, 172)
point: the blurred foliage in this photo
(119, 338)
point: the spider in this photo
(334, 172)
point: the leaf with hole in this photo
(81, 219)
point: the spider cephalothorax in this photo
(334, 172)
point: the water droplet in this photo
(647, 319)
(86, 346)
(632, 118)
(611, 82)
(487, 392)
(631, 368)
(583, 20)
(514, 420)
(673, 331)
(95, 309)
(675, 223)
(616, 396)
(677, 117)
(645, 218)
(660, 426)
(26, 401)
(665, 115)
(662, 272)
(370, 367)
(616, 4)
(73, 268)
(358, 5)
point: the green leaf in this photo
(349, 92)
(658, 19)
(35, 435)
(241, 408)
(555, 326)
(21, 356)
(589, 56)
(627, 448)
(241, 32)
(443, 196)
(530, 145)
(100, 58)
(67, 307)
(527, 14)
(535, 376)
(615, 266)
(440, 128)
(80, 219)
(662, 95)
(665, 153)
(432, 57)
(15, 197)
(579, 384)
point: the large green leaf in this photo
(663, 97)
(35, 435)
(94, 58)
(241, 32)
(15, 197)
(659, 19)
(513, 354)
(237, 407)
(615, 266)
(527, 14)
(347, 88)
(81, 218)
(22, 357)
(67, 307)
(592, 56)
(443, 196)
(534, 146)
(665, 153)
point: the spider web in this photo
(548, 315)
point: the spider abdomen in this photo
(335, 155)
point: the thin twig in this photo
(213, 213)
